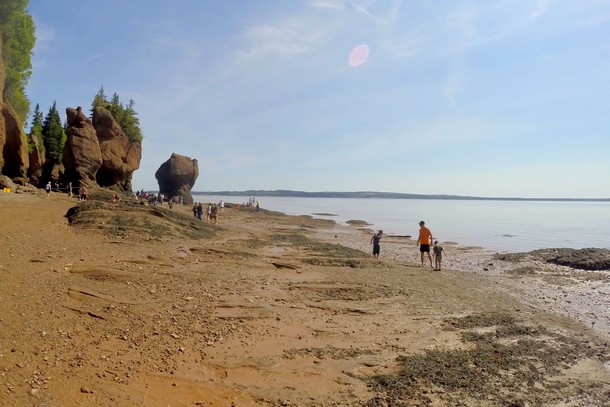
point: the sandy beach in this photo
(130, 305)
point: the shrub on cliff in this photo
(125, 116)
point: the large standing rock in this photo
(177, 176)
(14, 147)
(120, 155)
(36, 160)
(81, 156)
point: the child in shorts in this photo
(438, 251)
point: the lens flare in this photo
(359, 55)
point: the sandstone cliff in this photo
(14, 159)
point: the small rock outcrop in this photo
(82, 157)
(177, 176)
(120, 155)
(591, 259)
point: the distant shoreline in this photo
(385, 195)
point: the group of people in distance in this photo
(424, 241)
(212, 212)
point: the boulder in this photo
(177, 176)
(82, 157)
(13, 144)
(6, 182)
(120, 155)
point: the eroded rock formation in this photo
(120, 156)
(36, 156)
(98, 152)
(82, 157)
(177, 176)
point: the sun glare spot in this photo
(359, 55)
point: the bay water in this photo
(504, 226)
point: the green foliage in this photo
(53, 134)
(36, 131)
(18, 38)
(100, 100)
(125, 116)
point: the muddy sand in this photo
(132, 305)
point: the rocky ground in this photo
(130, 305)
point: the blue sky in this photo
(477, 97)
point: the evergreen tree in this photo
(100, 100)
(53, 134)
(130, 123)
(124, 116)
(18, 38)
(37, 121)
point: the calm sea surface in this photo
(505, 226)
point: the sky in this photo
(503, 98)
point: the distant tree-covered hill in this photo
(373, 194)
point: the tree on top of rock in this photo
(53, 134)
(126, 117)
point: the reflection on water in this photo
(499, 225)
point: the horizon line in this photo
(388, 195)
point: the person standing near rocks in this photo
(375, 241)
(48, 189)
(424, 241)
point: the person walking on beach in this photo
(48, 189)
(424, 241)
(375, 241)
(199, 210)
(437, 251)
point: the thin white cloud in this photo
(94, 57)
(331, 5)
(542, 7)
